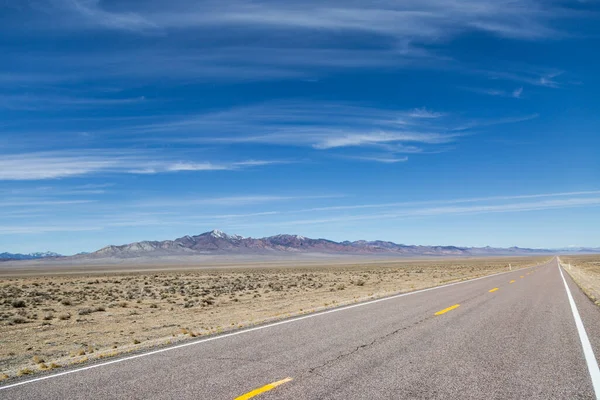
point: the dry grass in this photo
(51, 321)
(585, 270)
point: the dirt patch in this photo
(585, 271)
(52, 321)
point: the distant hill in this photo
(30, 256)
(217, 242)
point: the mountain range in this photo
(219, 243)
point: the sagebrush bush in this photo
(19, 303)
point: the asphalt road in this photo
(519, 341)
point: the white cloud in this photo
(93, 13)
(370, 139)
(497, 121)
(424, 113)
(318, 125)
(233, 201)
(53, 165)
(428, 19)
(440, 211)
(452, 201)
(196, 167)
(272, 39)
(33, 102)
(382, 159)
(517, 93)
(529, 75)
(36, 229)
(155, 214)
(40, 202)
(36, 166)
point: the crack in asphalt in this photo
(313, 370)
(374, 341)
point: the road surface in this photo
(508, 336)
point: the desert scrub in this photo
(24, 371)
(19, 304)
(18, 320)
(38, 360)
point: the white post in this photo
(509, 267)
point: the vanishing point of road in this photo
(526, 334)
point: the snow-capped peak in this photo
(218, 234)
(222, 235)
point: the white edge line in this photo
(287, 321)
(588, 352)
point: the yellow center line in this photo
(522, 276)
(493, 290)
(512, 282)
(263, 389)
(445, 310)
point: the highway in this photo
(510, 336)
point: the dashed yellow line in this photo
(513, 281)
(521, 276)
(493, 290)
(263, 389)
(445, 310)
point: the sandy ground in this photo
(585, 270)
(52, 320)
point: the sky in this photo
(447, 122)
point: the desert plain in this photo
(53, 317)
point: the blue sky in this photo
(423, 122)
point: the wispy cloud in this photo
(517, 93)
(37, 229)
(531, 75)
(375, 138)
(322, 126)
(181, 211)
(203, 166)
(380, 159)
(53, 165)
(448, 211)
(495, 121)
(232, 201)
(28, 202)
(93, 13)
(56, 191)
(424, 113)
(43, 102)
(357, 129)
(271, 39)
(422, 19)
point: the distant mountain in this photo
(30, 256)
(217, 242)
